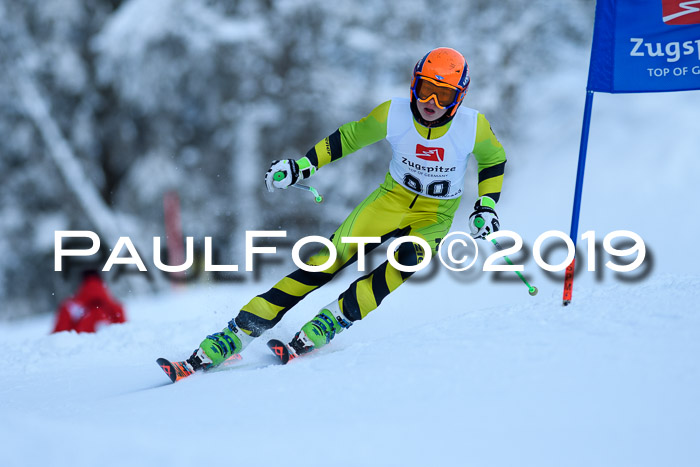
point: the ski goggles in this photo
(444, 95)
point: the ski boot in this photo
(213, 350)
(219, 347)
(319, 331)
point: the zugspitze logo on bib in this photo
(678, 12)
(430, 154)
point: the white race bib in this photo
(430, 167)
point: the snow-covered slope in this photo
(612, 381)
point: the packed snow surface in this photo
(612, 380)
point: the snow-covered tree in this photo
(198, 96)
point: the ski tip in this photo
(279, 349)
(175, 370)
(168, 368)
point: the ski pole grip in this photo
(478, 222)
(279, 176)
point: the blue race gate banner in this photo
(645, 46)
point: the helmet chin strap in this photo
(449, 115)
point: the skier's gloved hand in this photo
(484, 220)
(282, 174)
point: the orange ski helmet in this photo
(443, 76)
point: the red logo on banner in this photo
(430, 154)
(678, 12)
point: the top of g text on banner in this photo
(645, 46)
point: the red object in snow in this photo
(90, 308)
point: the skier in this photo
(431, 137)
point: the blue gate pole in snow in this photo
(569, 276)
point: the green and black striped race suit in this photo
(421, 203)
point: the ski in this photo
(281, 350)
(180, 370)
(175, 370)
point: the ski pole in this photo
(532, 290)
(317, 197)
